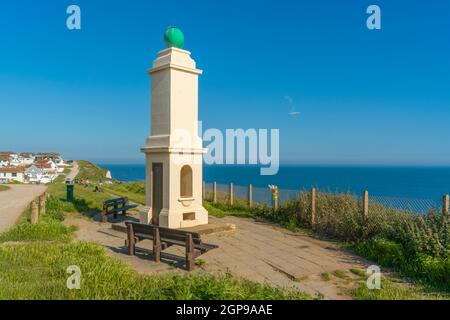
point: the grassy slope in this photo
(135, 191)
(4, 188)
(34, 260)
(41, 268)
(86, 201)
(394, 287)
(90, 171)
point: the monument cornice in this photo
(176, 67)
(174, 150)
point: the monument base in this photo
(176, 219)
(145, 216)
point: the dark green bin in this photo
(69, 192)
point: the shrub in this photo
(427, 234)
(386, 252)
(55, 208)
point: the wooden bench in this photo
(115, 206)
(163, 238)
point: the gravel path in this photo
(14, 201)
(74, 172)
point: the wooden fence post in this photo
(214, 192)
(34, 212)
(313, 207)
(231, 194)
(250, 196)
(445, 205)
(42, 203)
(366, 204)
(204, 190)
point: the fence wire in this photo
(415, 205)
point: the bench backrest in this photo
(114, 202)
(165, 234)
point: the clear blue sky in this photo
(365, 97)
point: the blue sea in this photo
(405, 182)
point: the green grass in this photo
(3, 188)
(222, 210)
(48, 228)
(392, 289)
(134, 191)
(340, 274)
(87, 202)
(37, 270)
(430, 271)
(325, 276)
(358, 272)
(90, 171)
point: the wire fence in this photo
(263, 196)
(416, 205)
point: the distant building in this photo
(27, 158)
(47, 156)
(33, 174)
(9, 174)
(48, 166)
(4, 160)
(29, 167)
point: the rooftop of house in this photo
(43, 164)
(48, 154)
(12, 170)
(27, 154)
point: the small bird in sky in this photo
(293, 112)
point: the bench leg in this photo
(156, 245)
(190, 254)
(131, 240)
(115, 211)
(104, 216)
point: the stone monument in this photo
(173, 151)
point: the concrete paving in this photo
(14, 201)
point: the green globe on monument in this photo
(174, 37)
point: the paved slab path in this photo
(257, 251)
(14, 201)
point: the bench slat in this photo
(120, 209)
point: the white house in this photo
(48, 166)
(15, 161)
(47, 179)
(9, 174)
(4, 160)
(33, 174)
(26, 158)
